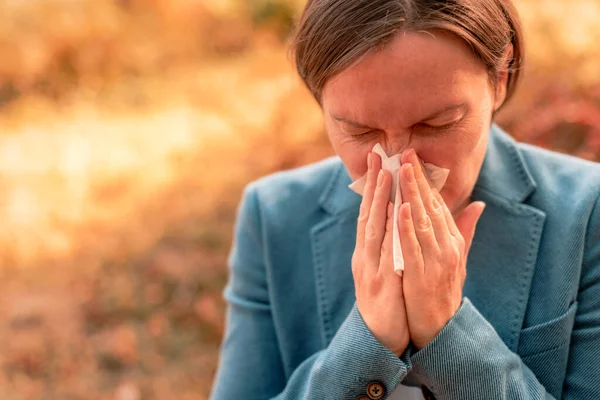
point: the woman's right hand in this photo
(379, 294)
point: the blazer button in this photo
(375, 390)
(362, 397)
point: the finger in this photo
(375, 230)
(467, 222)
(411, 249)
(447, 215)
(430, 202)
(422, 222)
(386, 264)
(436, 193)
(373, 161)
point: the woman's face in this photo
(425, 91)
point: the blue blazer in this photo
(528, 326)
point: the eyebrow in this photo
(452, 107)
(461, 107)
(353, 123)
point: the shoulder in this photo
(295, 189)
(563, 179)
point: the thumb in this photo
(467, 221)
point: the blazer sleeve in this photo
(251, 366)
(468, 360)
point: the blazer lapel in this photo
(333, 241)
(502, 257)
(504, 251)
(501, 264)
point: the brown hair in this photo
(331, 35)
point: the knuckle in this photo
(413, 190)
(416, 251)
(453, 257)
(435, 204)
(370, 232)
(363, 217)
(435, 207)
(424, 223)
(419, 250)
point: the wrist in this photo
(424, 335)
(399, 350)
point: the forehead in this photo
(414, 74)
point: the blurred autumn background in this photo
(128, 130)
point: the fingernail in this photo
(404, 156)
(369, 160)
(380, 178)
(406, 213)
(409, 175)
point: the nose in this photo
(398, 143)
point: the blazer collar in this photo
(503, 174)
(337, 196)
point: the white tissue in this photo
(437, 177)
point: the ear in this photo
(502, 83)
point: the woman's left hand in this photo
(435, 250)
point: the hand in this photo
(379, 291)
(435, 250)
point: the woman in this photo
(511, 312)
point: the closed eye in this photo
(441, 128)
(364, 135)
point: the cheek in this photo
(353, 153)
(461, 148)
(354, 158)
(450, 152)
(463, 157)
